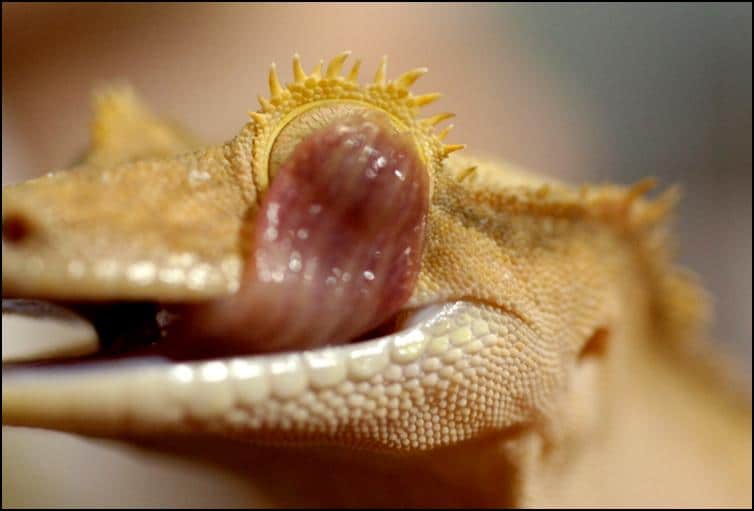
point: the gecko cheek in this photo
(335, 247)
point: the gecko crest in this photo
(294, 111)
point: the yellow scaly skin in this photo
(546, 369)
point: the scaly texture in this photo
(534, 372)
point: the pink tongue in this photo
(335, 247)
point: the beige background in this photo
(584, 92)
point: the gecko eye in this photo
(16, 228)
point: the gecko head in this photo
(122, 230)
(328, 277)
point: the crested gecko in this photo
(550, 352)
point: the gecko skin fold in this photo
(551, 352)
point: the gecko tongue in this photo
(334, 249)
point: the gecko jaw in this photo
(98, 396)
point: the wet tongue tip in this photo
(335, 247)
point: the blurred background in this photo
(580, 92)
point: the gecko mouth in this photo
(144, 392)
(42, 333)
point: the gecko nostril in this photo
(16, 228)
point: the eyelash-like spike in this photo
(291, 112)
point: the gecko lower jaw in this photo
(82, 393)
